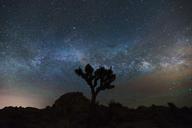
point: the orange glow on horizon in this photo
(14, 100)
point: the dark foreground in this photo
(72, 111)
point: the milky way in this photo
(148, 44)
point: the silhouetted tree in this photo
(98, 80)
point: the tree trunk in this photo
(92, 110)
(93, 101)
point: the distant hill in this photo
(72, 111)
(74, 101)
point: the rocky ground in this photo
(72, 111)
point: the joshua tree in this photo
(98, 80)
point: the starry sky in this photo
(147, 42)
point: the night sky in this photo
(147, 42)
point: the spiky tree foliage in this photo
(98, 80)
